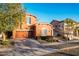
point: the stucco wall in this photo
(18, 32)
(39, 28)
(31, 29)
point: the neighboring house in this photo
(57, 27)
(76, 31)
(63, 29)
(68, 29)
(30, 28)
(70, 32)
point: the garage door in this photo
(21, 34)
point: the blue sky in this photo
(46, 12)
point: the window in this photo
(44, 32)
(28, 20)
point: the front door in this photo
(30, 34)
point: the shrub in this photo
(55, 40)
(6, 42)
(0, 41)
(43, 38)
(48, 40)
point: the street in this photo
(70, 49)
(69, 52)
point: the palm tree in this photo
(70, 26)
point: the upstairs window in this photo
(28, 20)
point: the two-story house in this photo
(57, 27)
(30, 28)
(26, 28)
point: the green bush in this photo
(0, 41)
(49, 40)
(43, 38)
(6, 42)
(55, 40)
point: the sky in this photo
(46, 12)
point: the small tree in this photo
(10, 15)
(70, 24)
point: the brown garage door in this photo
(21, 34)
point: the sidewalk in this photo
(59, 43)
